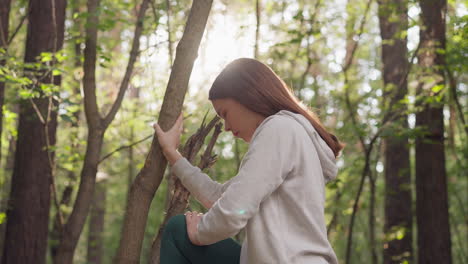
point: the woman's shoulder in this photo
(279, 125)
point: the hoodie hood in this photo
(325, 154)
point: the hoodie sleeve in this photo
(269, 160)
(200, 185)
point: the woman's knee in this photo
(176, 226)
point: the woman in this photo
(278, 195)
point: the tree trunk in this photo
(4, 18)
(352, 43)
(135, 96)
(28, 212)
(148, 180)
(6, 187)
(97, 126)
(73, 227)
(258, 15)
(169, 33)
(67, 192)
(372, 240)
(393, 20)
(96, 224)
(434, 245)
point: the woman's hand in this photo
(170, 140)
(192, 219)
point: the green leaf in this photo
(2, 218)
(400, 234)
(66, 118)
(46, 56)
(438, 88)
(60, 57)
(27, 94)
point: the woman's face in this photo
(238, 119)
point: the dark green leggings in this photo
(176, 247)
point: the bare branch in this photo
(38, 112)
(18, 27)
(207, 160)
(349, 59)
(131, 62)
(453, 92)
(124, 147)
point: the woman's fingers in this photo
(171, 138)
(180, 118)
(179, 124)
(192, 219)
(158, 129)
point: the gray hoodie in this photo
(278, 195)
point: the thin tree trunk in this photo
(135, 96)
(258, 16)
(29, 204)
(73, 227)
(68, 191)
(6, 186)
(454, 96)
(131, 160)
(372, 242)
(148, 180)
(169, 33)
(334, 220)
(434, 245)
(393, 20)
(4, 18)
(352, 42)
(310, 54)
(452, 127)
(96, 224)
(97, 126)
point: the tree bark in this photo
(148, 180)
(97, 126)
(96, 224)
(393, 20)
(29, 204)
(434, 245)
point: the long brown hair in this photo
(257, 87)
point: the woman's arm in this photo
(200, 185)
(172, 156)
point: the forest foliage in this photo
(328, 52)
